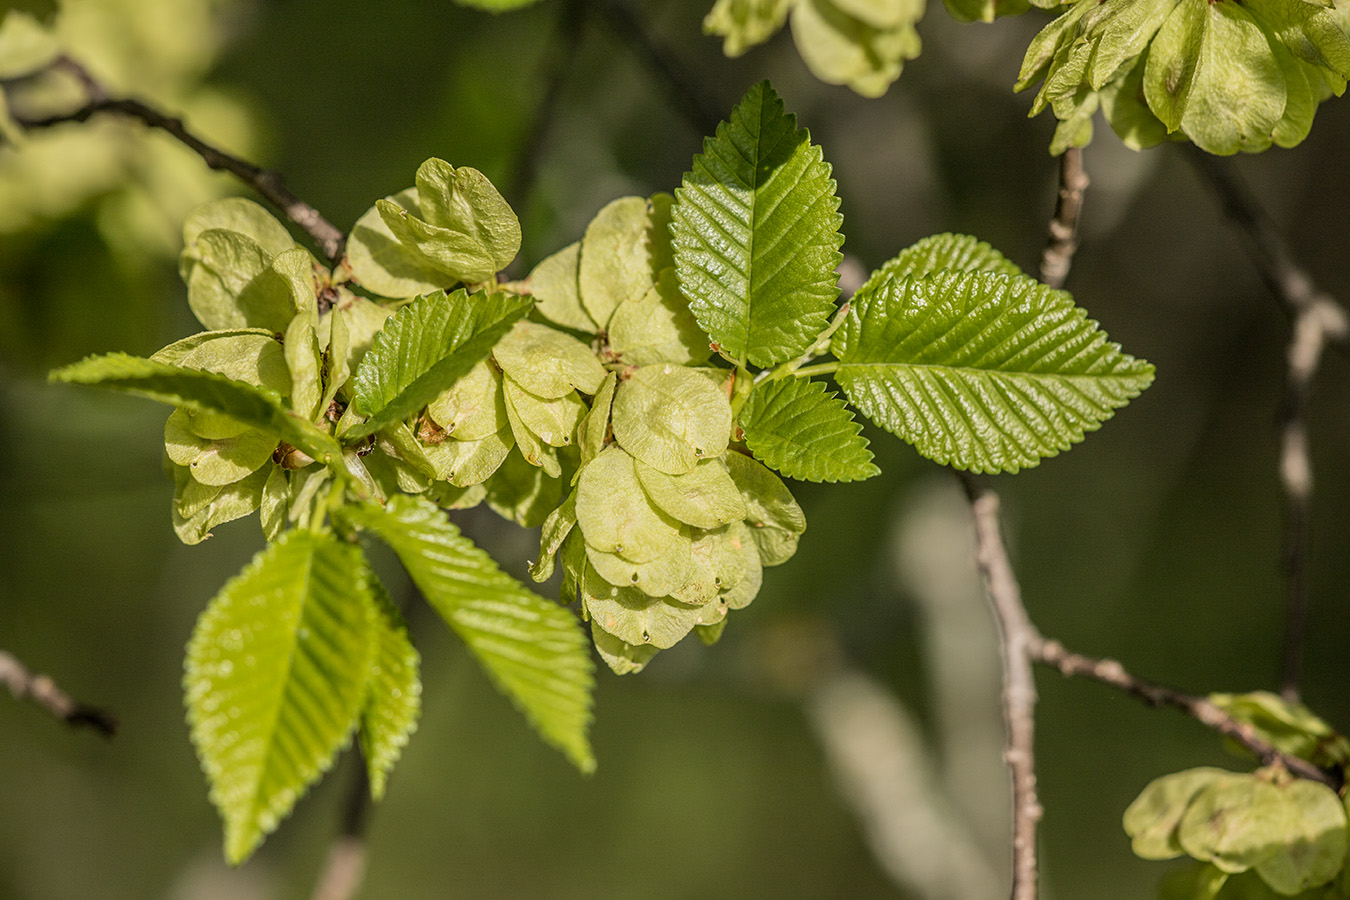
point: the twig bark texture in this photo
(43, 691)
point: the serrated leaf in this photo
(202, 391)
(804, 431)
(383, 265)
(755, 233)
(553, 285)
(958, 252)
(394, 698)
(533, 649)
(982, 371)
(842, 44)
(744, 23)
(1151, 820)
(670, 417)
(423, 349)
(276, 673)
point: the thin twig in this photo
(267, 183)
(1063, 240)
(44, 692)
(1019, 638)
(1317, 320)
(682, 87)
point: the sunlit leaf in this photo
(1151, 820)
(394, 698)
(744, 23)
(424, 348)
(982, 371)
(277, 671)
(804, 431)
(756, 234)
(532, 648)
(670, 417)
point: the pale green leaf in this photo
(634, 617)
(472, 408)
(423, 349)
(304, 361)
(616, 262)
(552, 421)
(1151, 820)
(1238, 93)
(253, 358)
(1173, 57)
(277, 671)
(394, 699)
(175, 353)
(464, 202)
(553, 285)
(840, 46)
(1289, 727)
(1121, 30)
(741, 24)
(614, 514)
(467, 463)
(594, 428)
(658, 327)
(523, 493)
(216, 462)
(622, 657)
(557, 527)
(220, 264)
(532, 448)
(199, 508)
(982, 371)
(533, 649)
(747, 541)
(1235, 821)
(1048, 43)
(274, 503)
(704, 497)
(775, 519)
(546, 362)
(202, 391)
(1126, 109)
(658, 577)
(1312, 849)
(1311, 32)
(756, 236)
(804, 431)
(383, 265)
(238, 215)
(720, 560)
(670, 417)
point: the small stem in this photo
(267, 183)
(1063, 240)
(807, 371)
(43, 691)
(818, 346)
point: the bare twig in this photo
(1063, 239)
(1317, 320)
(267, 183)
(44, 692)
(682, 87)
(345, 868)
(1019, 639)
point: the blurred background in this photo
(843, 740)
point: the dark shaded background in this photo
(1156, 541)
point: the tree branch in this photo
(1317, 320)
(269, 184)
(1019, 638)
(43, 691)
(345, 868)
(1063, 241)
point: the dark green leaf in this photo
(804, 431)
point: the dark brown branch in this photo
(1317, 321)
(1019, 638)
(1063, 240)
(44, 692)
(267, 183)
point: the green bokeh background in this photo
(1156, 541)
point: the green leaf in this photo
(552, 421)
(1151, 820)
(859, 43)
(1121, 30)
(755, 232)
(202, 391)
(467, 463)
(557, 527)
(216, 462)
(958, 252)
(670, 417)
(775, 519)
(497, 6)
(744, 23)
(553, 284)
(614, 514)
(523, 493)
(1234, 822)
(464, 202)
(982, 371)
(622, 657)
(394, 699)
(383, 265)
(238, 215)
(533, 649)
(1311, 32)
(804, 431)
(423, 349)
(594, 428)
(198, 508)
(633, 616)
(276, 674)
(1289, 727)
(472, 408)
